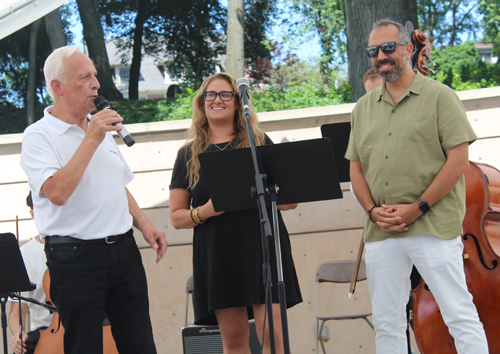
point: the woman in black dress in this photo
(227, 247)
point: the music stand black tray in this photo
(13, 275)
(303, 170)
(338, 133)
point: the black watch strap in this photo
(422, 204)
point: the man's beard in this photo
(391, 75)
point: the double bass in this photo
(481, 239)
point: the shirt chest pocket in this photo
(418, 126)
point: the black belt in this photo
(68, 239)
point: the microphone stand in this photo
(266, 232)
(3, 301)
(273, 191)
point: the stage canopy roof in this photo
(15, 14)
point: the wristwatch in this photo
(422, 204)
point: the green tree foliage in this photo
(192, 33)
(293, 83)
(461, 68)
(258, 18)
(155, 110)
(302, 95)
(13, 120)
(14, 56)
(445, 21)
(127, 21)
(14, 67)
(491, 22)
(326, 19)
(432, 18)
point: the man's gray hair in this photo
(403, 33)
(54, 69)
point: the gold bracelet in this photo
(192, 218)
(197, 216)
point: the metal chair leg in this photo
(319, 336)
(369, 323)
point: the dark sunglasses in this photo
(210, 96)
(387, 48)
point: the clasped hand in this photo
(396, 217)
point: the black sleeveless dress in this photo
(227, 255)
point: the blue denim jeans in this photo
(90, 281)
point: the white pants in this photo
(389, 264)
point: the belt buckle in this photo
(110, 240)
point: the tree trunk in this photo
(235, 53)
(94, 38)
(135, 67)
(360, 16)
(31, 90)
(54, 28)
(453, 24)
(326, 57)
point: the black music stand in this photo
(13, 276)
(338, 133)
(296, 172)
(305, 171)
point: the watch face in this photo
(424, 207)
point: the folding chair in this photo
(337, 272)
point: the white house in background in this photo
(155, 80)
(485, 51)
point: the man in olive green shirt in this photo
(409, 151)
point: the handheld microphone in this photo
(243, 86)
(101, 103)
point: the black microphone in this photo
(243, 85)
(101, 103)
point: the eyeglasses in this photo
(224, 95)
(387, 48)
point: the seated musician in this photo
(35, 262)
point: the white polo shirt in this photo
(98, 207)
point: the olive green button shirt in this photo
(401, 149)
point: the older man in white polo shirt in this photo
(85, 213)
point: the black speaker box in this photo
(207, 340)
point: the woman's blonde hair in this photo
(199, 139)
